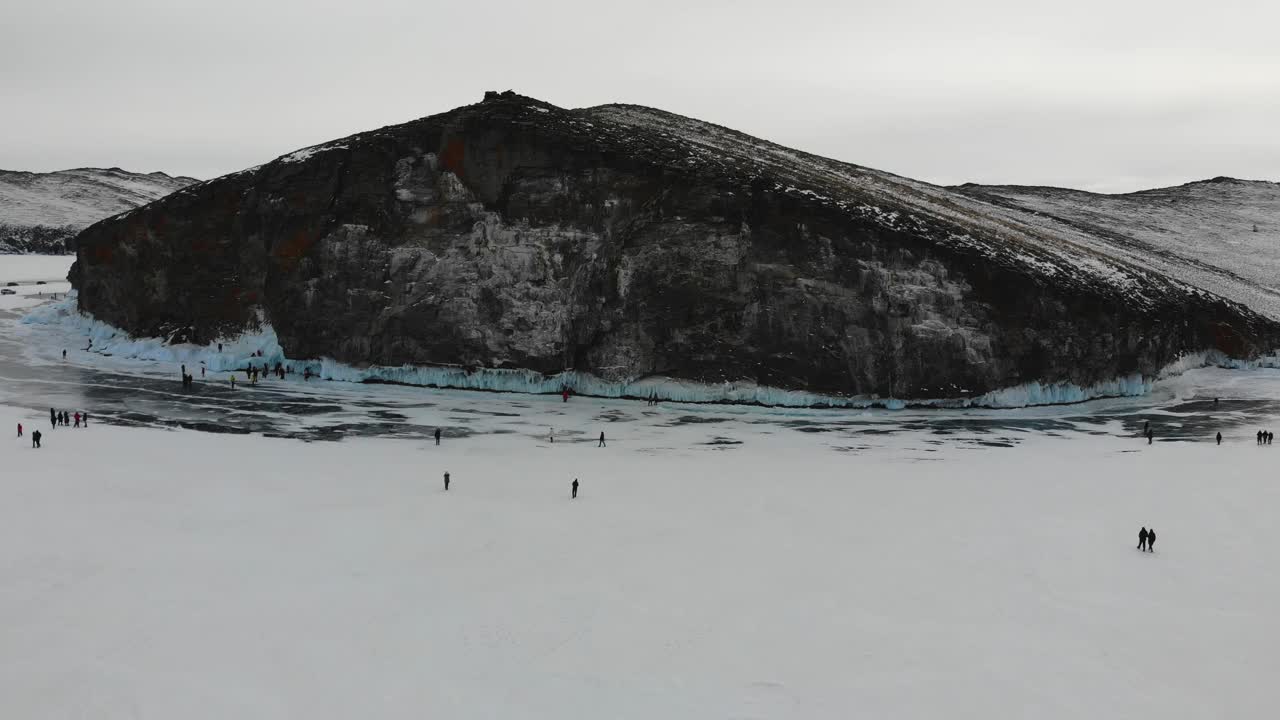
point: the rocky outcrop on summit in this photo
(42, 212)
(628, 242)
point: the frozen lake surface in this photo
(131, 392)
(288, 550)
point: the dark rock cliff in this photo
(628, 242)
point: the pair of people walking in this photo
(1147, 539)
(1265, 437)
(573, 488)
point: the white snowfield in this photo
(152, 574)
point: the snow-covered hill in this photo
(41, 212)
(1222, 235)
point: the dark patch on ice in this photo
(402, 406)
(221, 428)
(722, 441)
(490, 413)
(693, 420)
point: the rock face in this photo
(628, 242)
(42, 212)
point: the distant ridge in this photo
(42, 212)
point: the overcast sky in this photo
(1107, 95)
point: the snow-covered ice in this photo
(28, 270)
(161, 574)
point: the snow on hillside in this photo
(1222, 235)
(1002, 233)
(39, 211)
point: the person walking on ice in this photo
(35, 439)
(1142, 538)
(19, 429)
(446, 481)
(437, 443)
(601, 443)
(233, 381)
(574, 495)
(1219, 438)
(1151, 540)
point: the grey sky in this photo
(1109, 96)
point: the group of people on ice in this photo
(252, 374)
(573, 488)
(1265, 437)
(58, 418)
(64, 418)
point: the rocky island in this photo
(625, 250)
